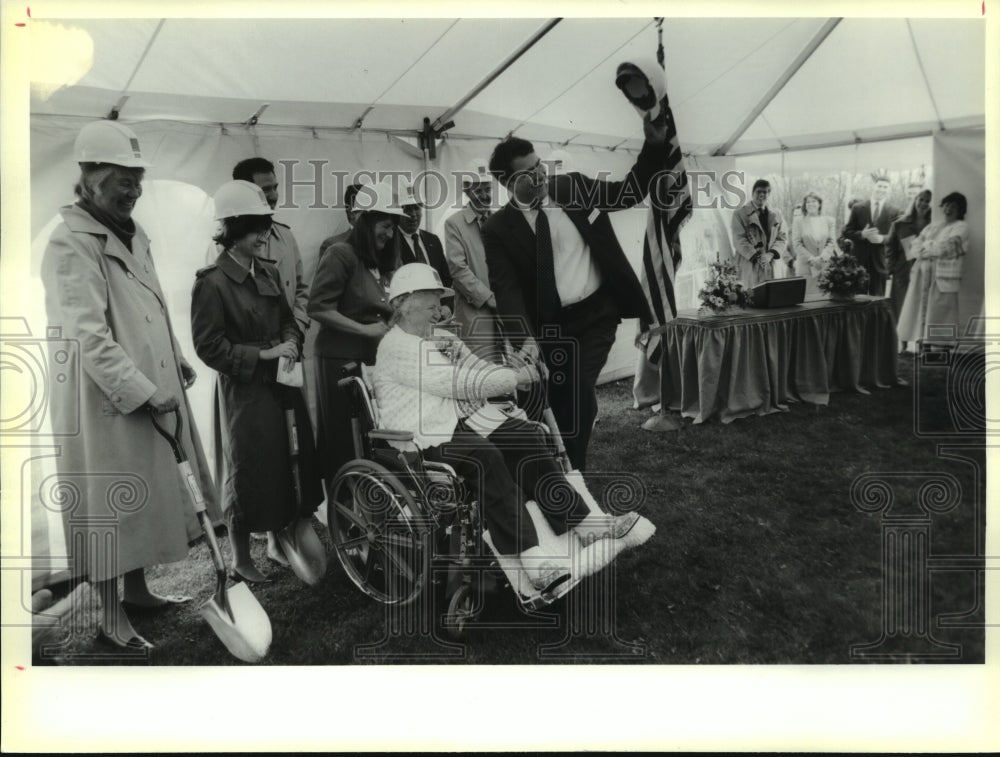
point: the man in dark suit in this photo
(867, 229)
(561, 280)
(413, 243)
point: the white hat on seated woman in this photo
(417, 277)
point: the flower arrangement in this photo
(843, 276)
(723, 289)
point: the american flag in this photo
(670, 207)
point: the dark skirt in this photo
(258, 490)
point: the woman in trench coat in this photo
(124, 505)
(243, 327)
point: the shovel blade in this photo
(305, 552)
(247, 635)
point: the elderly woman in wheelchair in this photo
(428, 383)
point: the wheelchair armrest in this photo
(390, 436)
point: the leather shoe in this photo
(238, 577)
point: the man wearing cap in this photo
(560, 276)
(281, 245)
(867, 229)
(475, 305)
(413, 243)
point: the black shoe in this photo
(238, 577)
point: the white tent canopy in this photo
(856, 79)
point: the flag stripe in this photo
(670, 207)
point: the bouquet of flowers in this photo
(843, 276)
(723, 289)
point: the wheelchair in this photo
(400, 522)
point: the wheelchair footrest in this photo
(565, 550)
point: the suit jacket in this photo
(509, 241)
(748, 233)
(870, 255)
(463, 246)
(432, 246)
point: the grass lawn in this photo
(760, 555)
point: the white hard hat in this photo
(109, 142)
(416, 277)
(478, 173)
(407, 192)
(379, 198)
(240, 198)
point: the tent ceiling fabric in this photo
(863, 80)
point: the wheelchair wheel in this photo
(461, 609)
(379, 533)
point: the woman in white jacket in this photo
(813, 240)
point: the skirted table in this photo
(754, 362)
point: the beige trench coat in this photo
(123, 502)
(747, 233)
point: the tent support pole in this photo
(789, 72)
(488, 79)
(145, 52)
(923, 73)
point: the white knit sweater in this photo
(418, 386)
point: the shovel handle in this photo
(174, 438)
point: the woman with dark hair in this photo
(932, 297)
(813, 240)
(348, 300)
(243, 327)
(899, 244)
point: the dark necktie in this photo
(418, 251)
(548, 295)
(876, 209)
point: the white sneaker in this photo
(599, 526)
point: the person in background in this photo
(789, 261)
(282, 249)
(813, 240)
(243, 327)
(413, 243)
(898, 248)
(932, 297)
(349, 210)
(760, 240)
(867, 228)
(475, 303)
(131, 509)
(281, 246)
(348, 300)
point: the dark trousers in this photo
(575, 357)
(507, 469)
